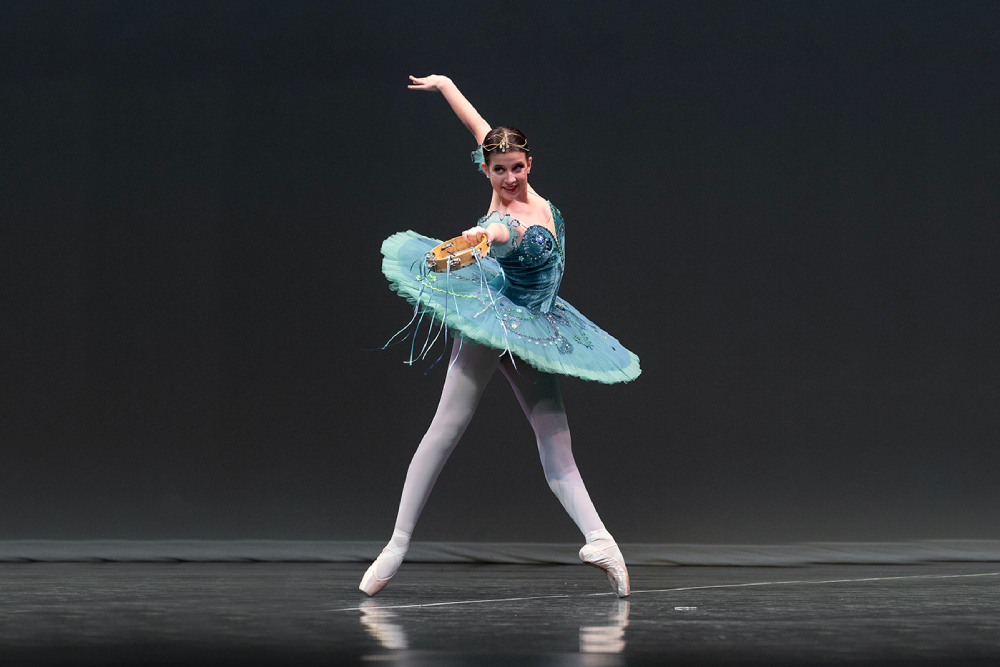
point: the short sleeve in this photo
(478, 159)
(513, 226)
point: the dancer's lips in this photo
(510, 189)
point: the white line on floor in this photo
(825, 581)
(375, 607)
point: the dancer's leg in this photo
(473, 366)
(541, 399)
(462, 390)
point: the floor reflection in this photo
(599, 643)
(380, 625)
(610, 637)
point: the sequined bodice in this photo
(533, 271)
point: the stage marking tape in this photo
(378, 607)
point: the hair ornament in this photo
(478, 159)
(504, 144)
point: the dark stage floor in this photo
(301, 613)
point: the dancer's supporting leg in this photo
(473, 366)
(541, 399)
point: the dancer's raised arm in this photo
(461, 106)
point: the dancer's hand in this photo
(475, 235)
(432, 82)
(495, 232)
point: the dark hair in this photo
(504, 140)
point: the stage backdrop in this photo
(788, 210)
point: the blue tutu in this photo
(507, 301)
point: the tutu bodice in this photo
(508, 301)
(532, 265)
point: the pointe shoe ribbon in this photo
(609, 560)
(388, 563)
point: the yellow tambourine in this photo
(456, 252)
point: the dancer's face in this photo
(509, 174)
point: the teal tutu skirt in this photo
(470, 302)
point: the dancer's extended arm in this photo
(461, 106)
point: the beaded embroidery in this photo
(548, 333)
(536, 242)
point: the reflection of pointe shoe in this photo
(609, 638)
(378, 623)
(604, 554)
(380, 572)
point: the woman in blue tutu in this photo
(503, 307)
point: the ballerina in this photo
(509, 303)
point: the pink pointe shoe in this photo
(602, 552)
(380, 572)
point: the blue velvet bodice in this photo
(533, 266)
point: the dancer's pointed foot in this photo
(602, 552)
(380, 572)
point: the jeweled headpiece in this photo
(507, 141)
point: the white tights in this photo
(540, 398)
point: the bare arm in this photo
(461, 106)
(497, 234)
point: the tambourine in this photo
(457, 252)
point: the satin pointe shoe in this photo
(603, 554)
(380, 572)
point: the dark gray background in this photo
(788, 210)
